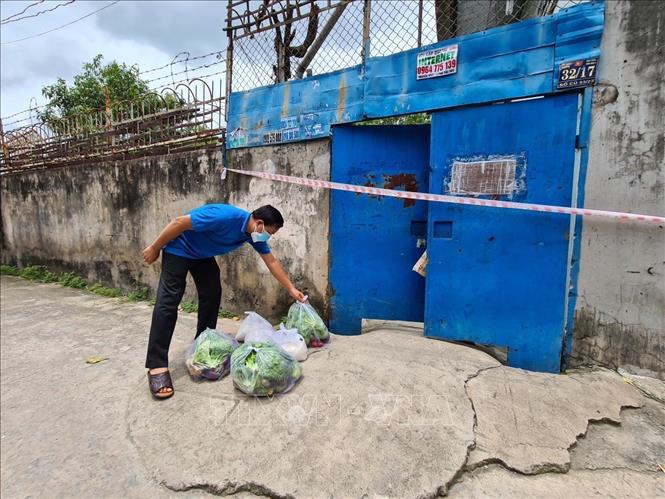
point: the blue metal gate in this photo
(495, 276)
(374, 241)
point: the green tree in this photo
(408, 119)
(97, 85)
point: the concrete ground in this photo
(385, 414)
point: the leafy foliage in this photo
(310, 326)
(263, 369)
(189, 306)
(9, 270)
(141, 294)
(96, 86)
(98, 289)
(209, 357)
(71, 280)
(40, 273)
(409, 119)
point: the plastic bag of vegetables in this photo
(291, 342)
(209, 356)
(259, 330)
(253, 325)
(263, 369)
(310, 326)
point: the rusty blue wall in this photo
(518, 60)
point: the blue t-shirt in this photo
(216, 229)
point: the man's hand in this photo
(176, 227)
(278, 272)
(150, 254)
(297, 295)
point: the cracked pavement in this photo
(384, 414)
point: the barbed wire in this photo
(188, 79)
(117, 103)
(216, 53)
(7, 21)
(151, 70)
(203, 66)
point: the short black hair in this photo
(270, 216)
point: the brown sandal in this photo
(159, 381)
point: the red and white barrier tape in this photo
(442, 198)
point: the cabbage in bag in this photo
(209, 356)
(263, 369)
(310, 326)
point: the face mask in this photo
(260, 237)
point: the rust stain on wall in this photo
(341, 101)
(405, 180)
(285, 102)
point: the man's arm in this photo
(278, 272)
(176, 227)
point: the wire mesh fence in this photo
(278, 40)
(181, 117)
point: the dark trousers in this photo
(169, 293)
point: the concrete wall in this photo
(301, 245)
(96, 219)
(620, 310)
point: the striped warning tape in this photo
(442, 198)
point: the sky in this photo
(146, 33)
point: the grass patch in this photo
(226, 314)
(141, 294)
(40, 273)
(9, 270)
(70, 280)
(98, 289)
(192, 306)
(189, 306)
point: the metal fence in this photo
(277, 40)
(177, 118)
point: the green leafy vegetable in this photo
(263, 369)
(209, 356)
(310, 326)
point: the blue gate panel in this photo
(498, 276)
(512, 61)
(374, 241)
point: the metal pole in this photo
(229, 59)
(420, 23)
(311, 52)
(367, 13)
(5, 150)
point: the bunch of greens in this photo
(210, 354)
(263, 369)
(310, 326)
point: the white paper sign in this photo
(437, 62)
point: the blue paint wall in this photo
(498, 276)
(374, 240)
(513, 61)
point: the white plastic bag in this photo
(291, 342)
(260, 335)
(255, 326)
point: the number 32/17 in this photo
(578, 73)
